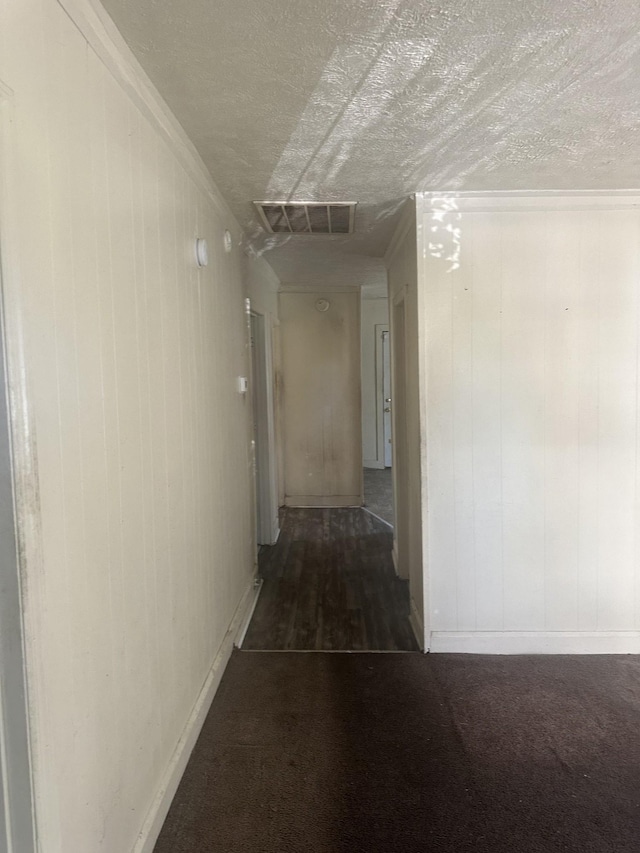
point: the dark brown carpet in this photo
(404, 753)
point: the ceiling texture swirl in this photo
(366, 101)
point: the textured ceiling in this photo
(370, 100)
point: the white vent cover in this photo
(307, 217)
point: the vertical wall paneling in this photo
(133, 484)
(531, 365)
(524, 254)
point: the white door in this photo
(263, 431)
(17, 824)
(386, 396)
(255, 378)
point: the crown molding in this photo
(532, 200)
(103, 37)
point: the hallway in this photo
(330, 585)
(375, 753)
(246, 250)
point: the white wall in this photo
(409, 483)
(320, 397)
(132, 442)
(374, 313)
(531, 368)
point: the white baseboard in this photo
(373, 463)
(244, 625)
(173, 774)
(536, 642)
(417, 625)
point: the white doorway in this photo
(376, 411)
(402, 504)
(267, 526)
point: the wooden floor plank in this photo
(329, 584)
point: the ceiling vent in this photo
(307, 217)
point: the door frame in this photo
(268, 526)
(400, 476)
(17, 818)
(384, 332)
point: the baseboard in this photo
(311, 501)
(373, 463)
(244, 625)
(536, 642)
(417, 625)
(173, 774)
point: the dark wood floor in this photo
(329, 584)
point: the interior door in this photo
(256, 414)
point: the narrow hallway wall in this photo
(132, 441)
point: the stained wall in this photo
(132, 442)
(530, 323)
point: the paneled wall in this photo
(320, 397)
(132, 441)
(531, 368)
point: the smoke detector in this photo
(307, 217)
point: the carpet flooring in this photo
(378, 492)
(406, 753)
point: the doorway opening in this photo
(378, 484)
(266, 498)
(329, 584)
(376, 405)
